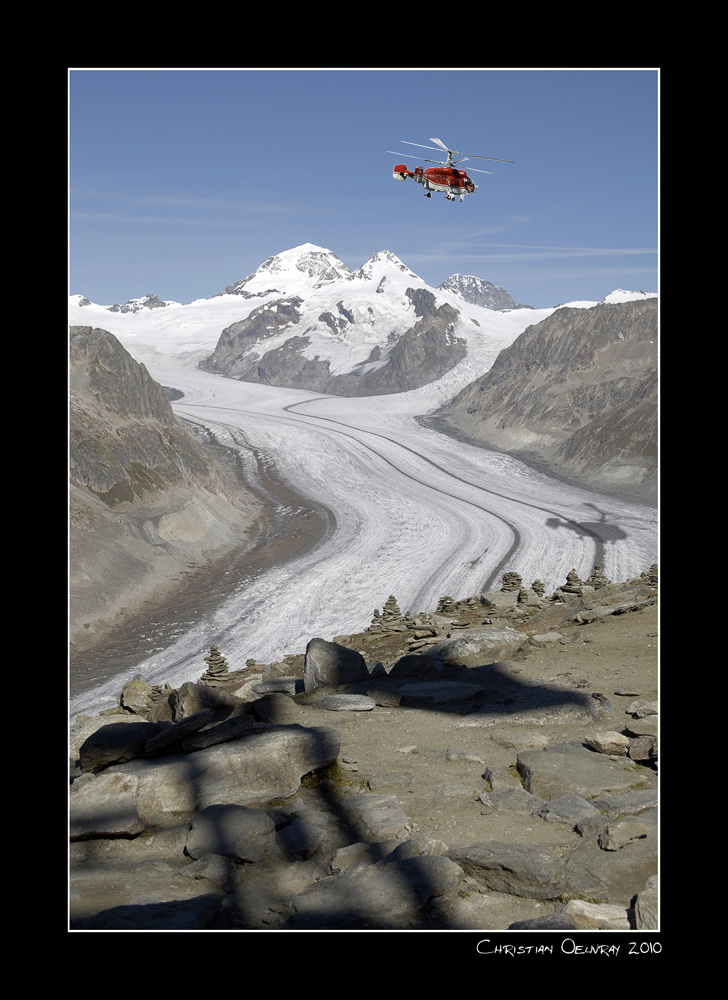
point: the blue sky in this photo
(183, 181)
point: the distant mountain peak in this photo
(478, 292)
(379, 262)
(308, 264)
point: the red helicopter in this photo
(453, 183)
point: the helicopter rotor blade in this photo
(475, 155)
(490, 158)
(418, 144)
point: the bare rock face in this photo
(576, 393)
(422, 354)
(479, 292)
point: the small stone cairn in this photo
(446, 606)
(390, 611)
(217, 669)
(573, 584)
(597, 579)
(511, 582)
(389, 619)
(538, 587)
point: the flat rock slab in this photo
(265, 763)
(572, 768)
(614, 874)
(536, 872)
(347, 703)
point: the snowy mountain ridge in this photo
(303, 318)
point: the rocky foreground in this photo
(490, 765)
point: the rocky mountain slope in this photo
(576, 393)
(479, 292)
(490, 764)
(148, 498)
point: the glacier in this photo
(414, 513)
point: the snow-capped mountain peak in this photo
(291, 272)
(478, 291)
(379, 263)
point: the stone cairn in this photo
(446, 606)
(538, 587)
(390, 611)
(217, 668)
(573, 583)
(597, 580)
(511, 582)
(389, 619)
(650, 575)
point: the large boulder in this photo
(328, 664)
(264, 764)
(476, 647)
(237, 832)
(104, 805)
(115, 743)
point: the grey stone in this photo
(375, 817)
(104, 805)
(612, 876)
(512, 797)
(347, 703)
(609, 742)
(479, 646)
(643, 749)
(237, 832)
(550, 922)
(300, 838)
(567, 768)
(648, 725)
(570, 809)
(628, 804)
(622, 832)
(646, 907)
(115, 743)
(276, 707)
(229, 729)
(533, 871)
(598, 916)
(642, 708)
(329, 664)
(265, 764)
(177, 732)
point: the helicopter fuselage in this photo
(450, 181)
